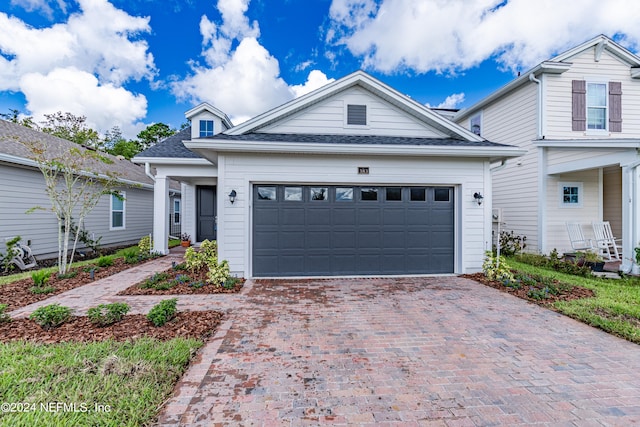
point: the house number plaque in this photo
(363, 170)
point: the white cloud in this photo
(449, 36)
(100, 42)
(79, 92)
(450, 102)
(42, 5)
(240, 76)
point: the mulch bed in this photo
(184, 288)
(17, 294)
(575, 292)
(194, 324)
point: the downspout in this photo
(532, 78)
(147, 171)
(501, 166)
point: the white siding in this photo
(329, 117)
(584, 67)
(241, 171)
(205, 115)
(574, 156)
(558, 216)
(23, 189)
(513, 121)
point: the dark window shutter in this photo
(356, 114)
(578, 105)
(615, 107)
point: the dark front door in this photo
(206, 213)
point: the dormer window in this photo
(357, 115)
(206, 128)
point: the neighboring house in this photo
(351, 179)
(118, 222)
(578, 117)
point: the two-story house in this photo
(353, 178)
(578, 117)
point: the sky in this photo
(132, 63)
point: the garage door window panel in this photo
(344, 194)
(418, 194)
(393, 194)
(293, 194)
(369, 194)
(319, 194)
(267, 193)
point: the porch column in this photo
(630, 211)
(161, 215)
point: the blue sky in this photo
(132, 63)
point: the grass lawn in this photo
(96, 384)
(615, 308)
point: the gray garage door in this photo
(348, 230)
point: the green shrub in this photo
(496, 268)
(104, 261)
(4, 316)
(154, 280)
(230, 282)
(145, 244)
(107, 314)
(218, 273)
(51, 316)
(511, 244)
(132, 256)
(197, 284)
(88, 268)
(42, 289)
(11, 251)
(181, 267)
(206, 256)
(162, 312)
(40, 277)
(69, 275)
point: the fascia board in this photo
(588, 143)
(360, 149)
(171, 161)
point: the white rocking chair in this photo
(605, 242)
(576, 236)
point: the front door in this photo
(206, 213)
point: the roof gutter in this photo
(147, 171)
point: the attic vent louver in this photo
(357, 115)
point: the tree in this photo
(115, 144)
(74, 187)
(72, 128)
(153, 134)
(14, 117)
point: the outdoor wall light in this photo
(478, 198)
(232, 196)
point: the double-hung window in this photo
(596, 106)
(117, 211)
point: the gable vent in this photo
(357, 115)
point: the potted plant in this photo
(185, 240)
(591, 259)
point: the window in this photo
(117, 211)
(293, 194)
(357, 115)
(475, 124)
(206, 128)
(344, 194)
(176, 211)
(266, 193)
(570, 194)
(368, 194)
(418, 195)
(394, 194)
(441, 195)
(319, 193)
(596, 106)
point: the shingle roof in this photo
(171, 147)
(13, 136)
(355, 139)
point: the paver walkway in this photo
(441, 351)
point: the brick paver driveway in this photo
(416, 351)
